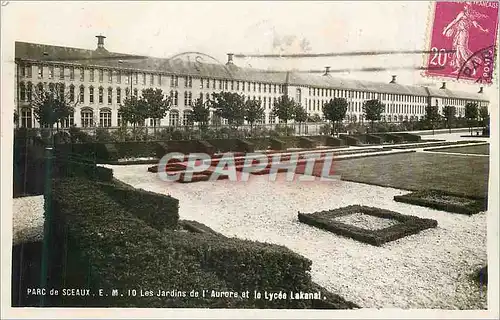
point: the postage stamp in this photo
(463, 41)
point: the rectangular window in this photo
(136, 78)
(71, 93)
(101, 95)
(201, 83)
(110, 76)
(82, 95)
(61, 73)
(29, 73)
(92, 71)
(82, 74)
(72, 73)
(152, 80)
(118, 95)
(51, 72)
(143, 79)
(91, 95)
(118, 77)
(232, 85)
(159, 79)
(101, 75)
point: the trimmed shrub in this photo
(120, 251)
(350, 140)
(248, 265)
(260, 143)
(445, 201)
(374, 139)
(407, 225)
(393, 138)
(206, 146)
(334, 142)
(198, 227)
(112, 151)
(109, 248)
(305, 142)
(136, 149)
(243, 145)
(410, 137)
(277, 144)
(157, 210)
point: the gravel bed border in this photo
(407, 225)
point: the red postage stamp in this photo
(463, 41)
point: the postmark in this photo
(463, 41)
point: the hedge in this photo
(305, 142)
(277, 144)
(350, 140)
(370, 138)
(332, 141)
(243, 145)
(393, 138)
(113, 249)
(260, 143)
(407, 225)
(470, 205)
(136, 149)
(120, 251)
(410, 137)
(157, 210)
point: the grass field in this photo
(418, 171)
(480, 149)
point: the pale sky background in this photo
(163, 29)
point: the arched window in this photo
(39, 88)
(101, 94)
(72, 93)
(29, 91)
(87, 117)
(118, 95)
(105, 117)
(119, 119)
(81, 98)
(22, 91)
(395, 118)
(127, 92)
(110, 95)
(26, 118)
(91, 94)
(61, 87)
(52, 88)
(135, 92)
(173, 119)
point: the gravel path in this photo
(27, 219)
(427, 270)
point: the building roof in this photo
(103, 58)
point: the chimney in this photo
(480, 90)
(100, 41)
(230, 58)
(393, 79)
(443, 86)
(327, 71)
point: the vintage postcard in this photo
(263, 159)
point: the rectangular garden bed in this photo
(445, 201)
(371, 225)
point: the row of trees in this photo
(50, 108)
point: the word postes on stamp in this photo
(463, 41)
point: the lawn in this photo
(417, 171)
(480, 149)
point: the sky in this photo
(163, 29)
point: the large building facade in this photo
(97, 82)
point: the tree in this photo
(50, 108)
(133, 111)
(230, 106)
(432, 115)
(156, 104)
(373, 110)
(449, 114)
(253, 112)
(335, 110)
(471, 113)
(300, 115)
(200, 114)
(284, 108)
(484, 116)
